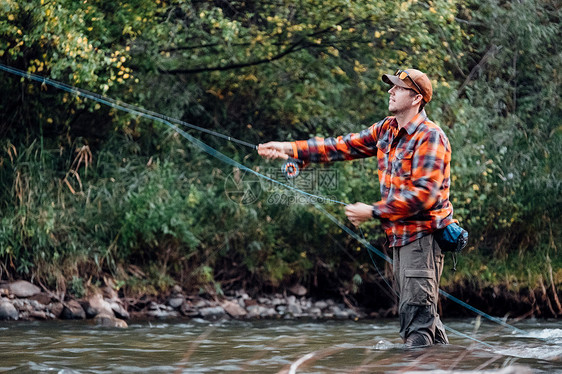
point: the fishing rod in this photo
(291, 165)
(290, 168)
(171, 122)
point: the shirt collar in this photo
(415, 122)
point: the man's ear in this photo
(417, 100)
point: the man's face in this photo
(400, 99)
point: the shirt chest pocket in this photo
(402, 163)
(383, 154)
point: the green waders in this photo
(417, 269)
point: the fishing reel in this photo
(291, 168)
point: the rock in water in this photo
(233, 309)
(73, 310)
(55, 308)
(212, 313)
(23, 289)
(106, 320)
(97, 305)
(119, 310)
(38, 314)
(8, 311)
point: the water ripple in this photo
(265, 347)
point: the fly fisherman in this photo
(414, 158)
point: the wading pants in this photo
(417, 269)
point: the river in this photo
(198, 346)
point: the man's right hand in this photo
(273, 150)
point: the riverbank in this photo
(22, 300)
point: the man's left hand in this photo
(358, 213)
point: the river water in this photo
(197, 346)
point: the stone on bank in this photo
(8, 311)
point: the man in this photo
(414, 173)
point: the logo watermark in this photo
(244, 187)
(290, 198)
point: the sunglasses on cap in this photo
(403, 74)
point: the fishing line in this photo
(168, 121)
(291, 167)
(368, 245)
(122, 105)
(466, 336)
(375, 265)
(469, 307)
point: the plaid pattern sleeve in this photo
(348, 147)
(413, 170)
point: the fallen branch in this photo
(479, 66)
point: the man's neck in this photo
(404, 117)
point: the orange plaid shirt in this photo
(413, 168)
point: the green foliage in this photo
(87, 191)
(156, 211)
(76, 287)
(506, 134)
(268, 69)
(87, 44)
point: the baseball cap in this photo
(412, 79)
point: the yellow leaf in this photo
(333, 51)
(359, 68)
